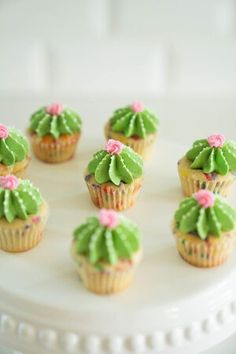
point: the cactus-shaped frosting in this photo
(18, 198)
(14, 146)
(107, 238)
(55, 120)
(134, 120)
(205, 214)
(213, 155)
(117, 163)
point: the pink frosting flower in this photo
(137, 107)
(55, 109)
(108, 218)
(9, 182)
(114, 147)
(205, 198)
(216, 140)
(4, 132)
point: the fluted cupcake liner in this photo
(19, 169)
(110, 196)
(205, 253)
(191, 185)
(53, 150)
(143, 147)
(194, 180)
(109, 279)
(22, 235)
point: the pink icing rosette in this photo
(216, 140)
(137, 107)
(4, 132)
(205, 198)
(108, 218)
(9, 182)
(114, 147)
(55, 109)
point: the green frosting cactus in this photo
(117, 163)
(205, 214)
(55, 120)
(134, 120)
(14, 146)
(18, 198)
(213, 155)
(109, 238)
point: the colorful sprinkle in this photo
(36, 219)
(208, 176)
(88, 177)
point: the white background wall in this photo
(177, 56)
(152, 47)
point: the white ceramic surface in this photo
(171, 307)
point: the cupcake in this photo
(14, 152)
(55, 131)
(106, 250)
(23, 214)
(209, 164)
(205, 229)
(134, 126)
(114, 176)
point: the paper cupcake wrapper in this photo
(22, 235)
(107, 281)
(18, 241)
(143, 147)
(190, 186)
(19, 169)
(109, 196)
(202, 253)
(193, 180)
(54, 150)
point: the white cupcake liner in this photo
(194, 179)
(112, 279)
(205, 253)
(22, 235)
(57, 151)
(191, 185)
(19, 240)
(109, 196)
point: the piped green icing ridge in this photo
(213, 159)
(101, 244)
(21, 202)
(123, 167)
(192, 218)
(43, 123)
(14, 148)
(130, 123)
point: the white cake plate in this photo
(171, 307)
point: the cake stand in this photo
(171, 307)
